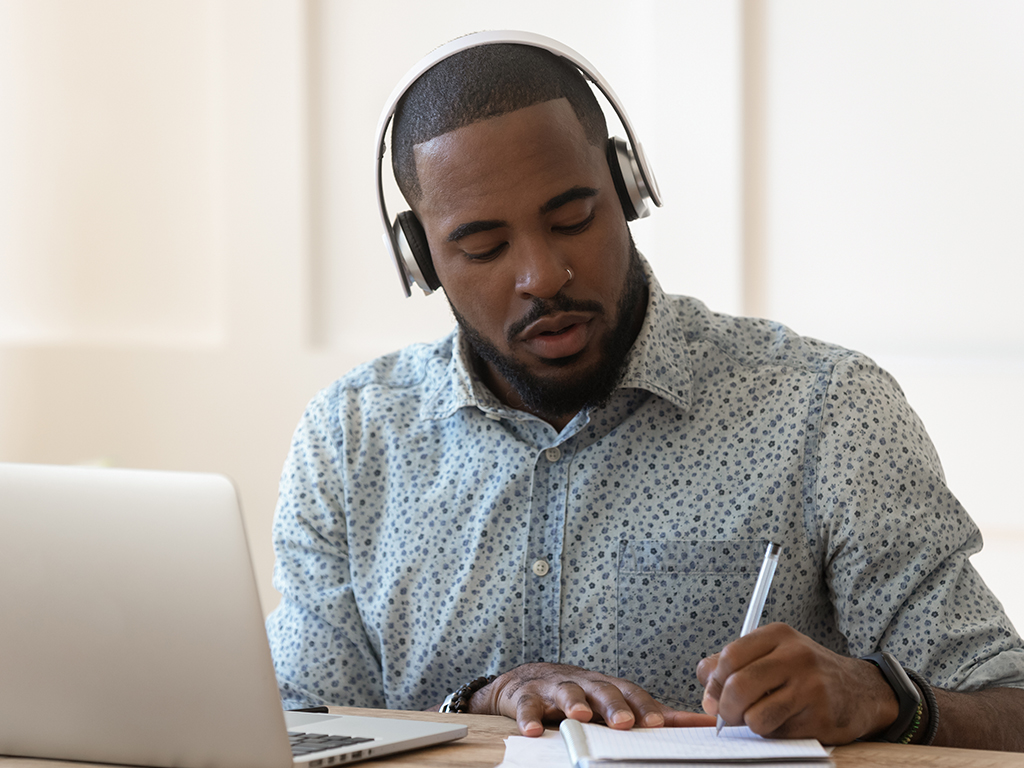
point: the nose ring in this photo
(571, 275)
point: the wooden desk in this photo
(484, 747)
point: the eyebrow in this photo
(576, 193)
(556, 202)
(465, 230)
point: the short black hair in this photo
(483, 82)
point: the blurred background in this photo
(190, 246)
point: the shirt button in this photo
(553, 454)
(541, 567)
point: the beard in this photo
(551, 396)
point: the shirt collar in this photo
(456, 385)
(657, 362)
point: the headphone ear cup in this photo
(629, 184)
(415, 252)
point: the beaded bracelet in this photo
(458, 700)
(915, 724)
(933, 708)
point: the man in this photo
(573, 491)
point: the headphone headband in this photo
(476, 40)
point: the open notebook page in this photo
(598, 742)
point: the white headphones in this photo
(634, 180)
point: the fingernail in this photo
(654, 720)
(621, 717)
(533, 725)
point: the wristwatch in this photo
(906, 692)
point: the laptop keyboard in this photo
(305, 743)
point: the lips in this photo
(556, 336)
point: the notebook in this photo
(591, 746)
(131, 630)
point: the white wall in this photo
(189, 246)
(895, 209)
(152, 270)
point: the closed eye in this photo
(575, 229)
(487, 255)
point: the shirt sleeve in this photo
(897, 543)
(322, 653)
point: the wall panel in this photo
(894, 181)
(108, 175)
(896, 168)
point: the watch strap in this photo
(907, 694)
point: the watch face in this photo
(907, 695)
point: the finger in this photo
(607, 700)
(648, 712)
(779, 714)
(750, 647)
(705, 667)
(709, 702)
(530, 714)
(712, 683)
(741, 653)
(571, 700)
(651, 713)
(748, 686)
(674, 718)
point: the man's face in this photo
(509, 205)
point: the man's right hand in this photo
(537, 693)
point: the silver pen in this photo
(757, 601)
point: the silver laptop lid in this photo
(130, 626)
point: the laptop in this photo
(131, 630)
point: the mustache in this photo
(544, 307)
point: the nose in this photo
(542, 271)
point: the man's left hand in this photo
(539, 692)
(784, 685)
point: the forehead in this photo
(521, 157)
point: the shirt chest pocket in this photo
(677, 602)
